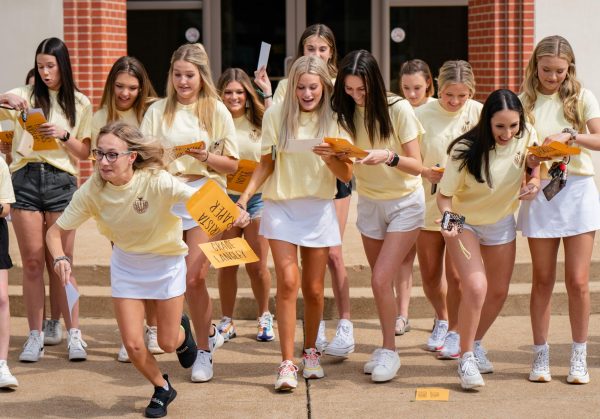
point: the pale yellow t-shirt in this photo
(550, 119)
(477, 202)
(380, 181)
(59, 158)
(100, 119)
(136, 216)
(7, 195)
(441, 128)
(186, 129)
(297, 175)
(248, 139)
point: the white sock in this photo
(166, 386)
(580, 346)
(540, 348)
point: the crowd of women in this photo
(441, 179)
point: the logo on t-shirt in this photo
(519, 159)
(254, 135)
(140, 205)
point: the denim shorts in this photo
(255, 205)
(43, 187)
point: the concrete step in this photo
(96, 302)
(358, 275)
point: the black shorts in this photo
(343, 189)
(43, 187)
(5, 261)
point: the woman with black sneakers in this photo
(129, 192)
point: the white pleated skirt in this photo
(308, 222)
(146, 276)
(574, 210)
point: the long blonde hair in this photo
(456, 71)
(207, 97)
(569, 90)
(151, 154)
(291, 105)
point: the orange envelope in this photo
(212, 209)
(180, 150)
(239, 180)
(230, 252)
(554, 149)
(432, 393)
(35, 118)
(341, 145)
(7, 136)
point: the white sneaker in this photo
(388, 364)
(227, 328)
(578, 373)
(7, 380)
(312, 364)
(33, 349)
(451, 347)
(469, 374)
(265, 328)
(540, 369)
(76, 346)
(370, 365)
(287, 376)
(402, 325)
(343, 342)
(202, 370)
(53, 332)
(215, 341)
(152, 340)
(123, 356)
(436, 339)
(321, 342)
(483, 363)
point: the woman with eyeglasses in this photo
(44, 182)
(130, 196)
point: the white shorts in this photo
(501, 232)
(146, 276)
(308, 222)
(574, 210)
(180, 210)
(379, 216)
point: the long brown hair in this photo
(255, 109)
(320, 31)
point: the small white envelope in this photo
(72, 296)
(263, 57)
(303, 145)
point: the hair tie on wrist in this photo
(207, 154)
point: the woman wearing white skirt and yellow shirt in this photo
(561, 110)
(127, 94)
(390, 205)
(130, 196)
(192, 112)
(483, 183)
(44, 182)
(247, 111)
(453, 114)
(299, 210)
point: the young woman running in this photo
(130, 191)
(444, 119)
(561, 110)
(416, 85)
(192, 112)
(299, 213)
(483, 183)
(390, 205)
(44, 182)
(247, 111)
(127, 94)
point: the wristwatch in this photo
(66, 137)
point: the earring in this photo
(247, 104)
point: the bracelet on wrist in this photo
(240, 206)
(573, 133)
(389, 157)
(206, 159)
(58, 259)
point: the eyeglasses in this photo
(111, 156)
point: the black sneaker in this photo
(160, 400)
(188, 350)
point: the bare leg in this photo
(337, 267)
(430, 249)
(314, 263)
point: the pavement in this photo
(245, 371)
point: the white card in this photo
(263, 57)
(72, 296)
(303, 145)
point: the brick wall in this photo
(501, 37)
(96, 34)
